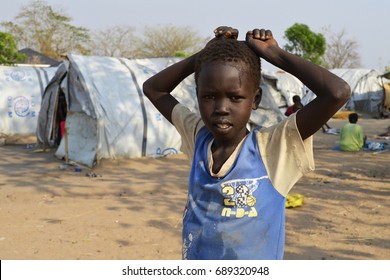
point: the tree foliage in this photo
(8, 50)
(167, 41)
(117, 41)
(341, 52)
(49, 31)
(162, 41)
(305, 43)
(40, 27)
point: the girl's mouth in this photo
(222, 125)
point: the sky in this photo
(366, 22)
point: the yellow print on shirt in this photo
(238, 197)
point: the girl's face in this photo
(226, 99)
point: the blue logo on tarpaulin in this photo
(147, 70)
(21, 106)
(166, 152)
(18, 75)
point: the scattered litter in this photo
(334, 131)
(375, 146)
(294, 200)
(383, 137)
(63, 167)
(46, 150)
(91, 175)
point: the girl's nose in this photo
(221, 106)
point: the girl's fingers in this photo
(226, 31)
(261, 34)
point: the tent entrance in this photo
(80, 141)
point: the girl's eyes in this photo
(212, 97)
(232, 98)
(235, 98)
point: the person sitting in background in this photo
(295, 107)
(352, 138)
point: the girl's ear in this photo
(257, 98)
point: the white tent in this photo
(108, 114)
(283, 87)
(21, 89)
(367, 86)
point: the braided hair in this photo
(230, 51)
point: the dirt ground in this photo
(133, 208)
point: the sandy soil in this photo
(133, 208)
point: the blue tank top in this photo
(239, 216)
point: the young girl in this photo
(239, 180)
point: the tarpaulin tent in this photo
(367, 90)
(108, 114)
(283, 86)
(21, 89)
(367, 86)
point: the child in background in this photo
(352, 138)
(239, 179)
(295, 107)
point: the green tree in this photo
(40, 27)
(168, 41)
(305, 43)
(8, 50)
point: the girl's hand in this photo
(226, 32)
(262, 42)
